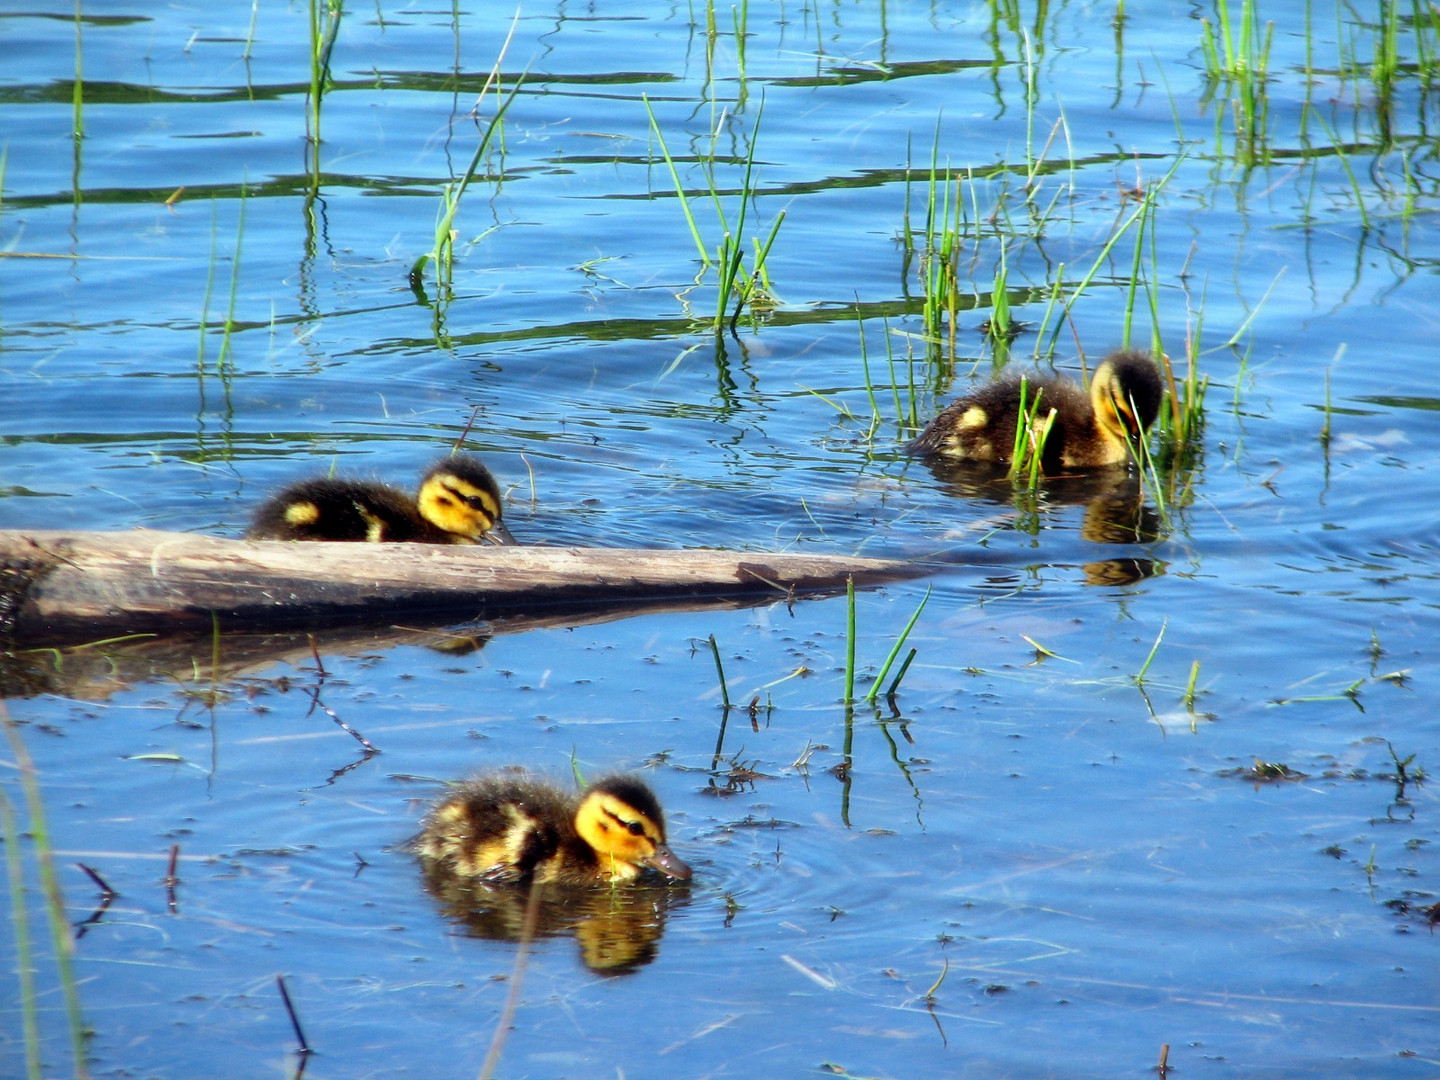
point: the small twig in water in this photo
(316, 703)
(468, 425)
(304, 1047)
(315, 652)
(106, 892)
(171, 881)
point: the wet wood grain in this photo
(65, 587)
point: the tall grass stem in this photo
(849, 641)
(19, 917)
(61, 933)
(720, 671)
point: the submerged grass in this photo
(734, 281)
(224, 355)
(1236, 53)
(939, 257)
(442, 251)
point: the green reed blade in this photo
(1039, 437)
(899, 644)
(850, 641)
(440, 252)
(1102, 259)
(1190, 686)
(77, 90)
(1250, 317)
(234, 287)
(1139, 677)
(895, 682)
(24, 962)
(1022, 418)
(865, 364)
(61, 933)
(720, 671)
(679, 188)
(205, 298)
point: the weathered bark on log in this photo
(68, 587)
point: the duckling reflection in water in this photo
(1115, 507)
(1124, 399)
(617, 930)
(514, 829)
(459, 503)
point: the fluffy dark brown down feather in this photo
(1088, 431)
(508, 829)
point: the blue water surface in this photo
(1046, 857)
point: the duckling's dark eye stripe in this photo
(634, 828)
(482, 502)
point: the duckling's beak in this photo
(497, 534)
(668, 863)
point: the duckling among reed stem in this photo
(459, 503)
(1124, 399)
(514, 829)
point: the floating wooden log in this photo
(68, 587)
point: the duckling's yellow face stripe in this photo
(458, 507)
(622, 837)
(1113, 409)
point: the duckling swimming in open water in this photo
(1125, 396)
(514, 829)
(459, 503)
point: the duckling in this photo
(1124, 400)
(513, 829)
(459, 503)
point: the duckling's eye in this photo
(636, 829)
(475, 502)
